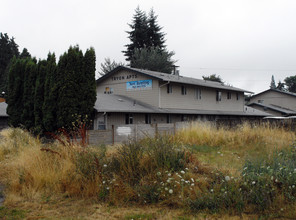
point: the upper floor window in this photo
(169, 88)
(183, 90)
(218, 96)
(228, 95)
(237, 96)
(198, 93)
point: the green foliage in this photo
(213, 77)
(153, 58)
(13, 214)
(8, 49)
(108, 66)
(272, 83)
(290, 83)
(147, 49)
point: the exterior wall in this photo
(276, 98)
(207, 101)
(117, 83)
(270, 111)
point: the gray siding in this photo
(207, 101)
(150, 96)
(276, 98)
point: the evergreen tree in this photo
(154, 34)
(281, 86)
(15, 91)
(108, 66)
(30, 74)
(25, 54)
(138, 35)
(88, 83)
(213, 78)
(153, 59)
(49, 107)
(290, 82)
(8, 49)
(39, 96)
(70, 93)
(272, 83)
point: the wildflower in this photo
(170, 191)
(218, 152)
(192, 184)
(182, 171)
(253, 182)
(293, 186)
(158, 173)
(169, 174)
(245, 168)
(166, 189)
(105, 165)
(107, 188)
(227, 178)
(186, 168)
(192, 180)
(212, 190)
(169, 181)
(182, 180)
(104, 182)
(271, 177)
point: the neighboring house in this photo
(134, 96)
(3, 115)
(275, 102)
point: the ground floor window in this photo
(169, 118)
(147, 118)
(129, 119)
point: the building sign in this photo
(116, 78)
(139, 85)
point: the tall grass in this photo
(249, 169)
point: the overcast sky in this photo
(243, 41)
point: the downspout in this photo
(159, 93)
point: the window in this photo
(169, 119)
(169, 88)
(147, 118)
(260, 101)
(129, 119)
(228, 95)
(198, 93)
(218, 96)
(237, 96)
(183, 90)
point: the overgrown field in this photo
(201, 171)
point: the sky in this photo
(245, 42)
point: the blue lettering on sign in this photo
(139, 85)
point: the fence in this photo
(122, 133)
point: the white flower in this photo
(186, 168)
(104, 182)
(227, 178)
(182, 171)
(170, 191)
(158, 173)
(107, 188)
(169, 174)
(245, 168)
(212, 190)
(293, 186)
(192, 184)
(169, 180)
(182, 180)
(166, 189)
(271, 177)
(105, 165)
(253, 182)
(192, 180)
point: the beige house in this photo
(275, 102)
(134, 96)
(3, 115)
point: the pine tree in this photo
(138, 35)
(272, 83)
(49, 107)
(30, 74)
(8, 49)
(25, 53)
(153, 59)
(155, 36)
(15, 91)
(39, 96)
(108, 66)
(88, 83)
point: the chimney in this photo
(175, 71)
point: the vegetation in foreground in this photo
(202, 169)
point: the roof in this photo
(174, 78)
(118, 103)
(3, 107)
(276, 90)
(275, 108)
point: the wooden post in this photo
(113, 134)
(156, 130)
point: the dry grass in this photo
(56, 180)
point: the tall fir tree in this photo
(49, 107)
(88, 83)
(154, 34)
(15, 91)
(272, 83)
(39, 96)
(138, 35)
(8, 49)
(30, 75)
